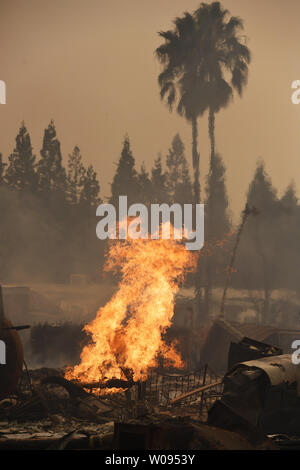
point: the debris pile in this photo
(49, 407)
(260, 396)
(255, 406)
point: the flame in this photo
(127, 331)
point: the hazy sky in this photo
(90, 65)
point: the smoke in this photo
(42, 242)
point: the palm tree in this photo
(179, 79)
(225, 59)
(204, 60)
(198, 55)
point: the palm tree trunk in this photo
(196, 161)
(211, 130)
(196, 187)
(210, 214)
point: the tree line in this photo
(48, 209)
(268, 256)
(48, 216)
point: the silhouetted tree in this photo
(159, 183)
(198, 55)
(89, 195)
(260, 240)
(287, 236)
(215, 228)
(20, 173)
(51, 173)
(179, 79)
(289, 200)
(82, 220)
(178, 178)
(224, 60)
(47, 234)
(145, 186)
(125, 181)
(75, 176)
(2, 169)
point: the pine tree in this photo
(51, 174)
(75, 176)
(217, 225)
(20, 172)
(259, 247)
(125, 181)
(178, 178)
(216, 196)
(89, 195)
(159, 183)
(287, 237)
(289, 200)
(89, 249)
(2, 168)
(145, 186)
(261, 193)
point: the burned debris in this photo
(248, 349)
(262, 395)
(165, 412)
(252, 403)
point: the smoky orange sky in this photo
(90, 66)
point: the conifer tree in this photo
(216, 196)
(289, 200)
(261, 193)
(75, 176)
(145, 186)
(2, 169)
(20, 173)
(262, 238)
(89, 195)
(217, 225)
(159, 183)
(51, 174)
(125, 181)
(287, 239)
(178, 178)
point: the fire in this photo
(127, 331)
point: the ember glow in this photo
(127, 331)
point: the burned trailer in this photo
(262, 396)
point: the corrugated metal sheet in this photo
(279, 369)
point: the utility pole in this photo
(245, 214)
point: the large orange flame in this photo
(127, 331)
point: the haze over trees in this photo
(48, 200)
(47, 212)
(46, 241)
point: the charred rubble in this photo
(253, 404)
